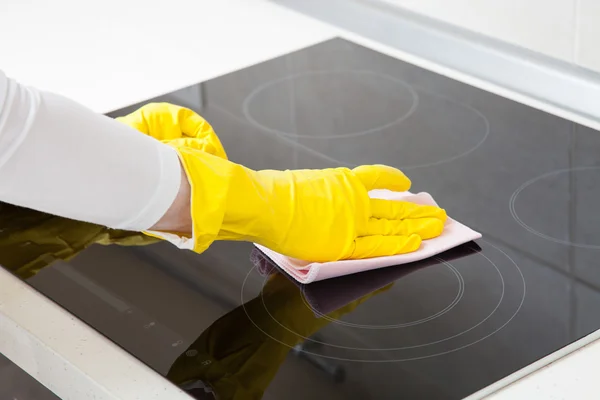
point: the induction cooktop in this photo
(228, 324)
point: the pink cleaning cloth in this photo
(454, 235)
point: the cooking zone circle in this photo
(503, 307)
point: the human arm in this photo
(59, 157)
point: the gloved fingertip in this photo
(432, 228)
(442, 215)
(382, 177)
(412, 243)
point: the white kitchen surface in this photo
(544, 26)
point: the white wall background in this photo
(565, 29)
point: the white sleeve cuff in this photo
(164, 196)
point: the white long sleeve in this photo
(59, 157)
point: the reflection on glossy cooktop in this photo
(228, 324)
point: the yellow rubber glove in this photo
(170, 123)
(315, 215)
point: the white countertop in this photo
(124, 52)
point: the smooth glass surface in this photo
(226, 324)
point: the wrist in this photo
(178, 216)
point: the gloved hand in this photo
(181, 126)
(314, 215)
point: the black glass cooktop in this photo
(227, 324)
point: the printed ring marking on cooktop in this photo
(287, 136)
(457, 298)
(532, 181)
(408, 358)
(412, 346)
(256, 92)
